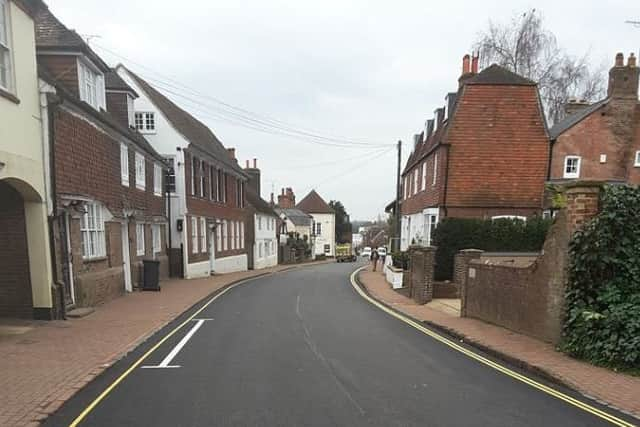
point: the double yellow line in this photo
(513, 374)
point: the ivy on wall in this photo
(602, 322)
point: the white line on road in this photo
(165, 362)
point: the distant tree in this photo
(343, 225)
(526, 47)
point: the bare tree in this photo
(525, 47)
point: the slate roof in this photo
(53, 35)
(196, 132)
(296, 216)
(102, 115)
(423, 148)
(498, 75)
(313, 203)
(258, 203)
(112, 81)
(569, 121)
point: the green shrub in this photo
(400, 260)
(499, 235)
(602, 322)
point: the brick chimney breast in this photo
(623, 80)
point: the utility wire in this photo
(238, 112)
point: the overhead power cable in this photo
(240, 116)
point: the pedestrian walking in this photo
(374, 258)
(383, 257)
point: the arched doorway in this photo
(15, 281)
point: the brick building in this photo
(207, 217)
(483, 155)
(107, 180)
(601, 141)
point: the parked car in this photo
(382, 251)
(366, 252)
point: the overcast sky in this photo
(370, 71)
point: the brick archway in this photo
(15, 283)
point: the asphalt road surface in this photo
(302, 348)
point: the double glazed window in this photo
(139, 239)
(6, 68)
(571, 167)
(91, 85)
(92, 230)
(140, 171)
(145, 121)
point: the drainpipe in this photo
(48, 138)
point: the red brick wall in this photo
(210, 209)
(15, 282)
(432, 195)
(499, 148)
(63, 68)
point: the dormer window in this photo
(435, 121)
(91, 85)
(145, 121)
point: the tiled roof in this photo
(313, 203)
(569, 121)
(258, 203)
(497, 75)
(196, 132)
(51, 34)
(112, 81)
(102, 115)
(296, 216)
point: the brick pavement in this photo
(44, 367)
(618, 390)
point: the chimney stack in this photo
(255, 163)
(623, 80)
(247, 164)
(254, 176)
(272, 201)
(465, 65)
(474, 63)
(469, 68)
(287, 200)
(232, 153)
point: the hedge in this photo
(499, 235)
(602, 323)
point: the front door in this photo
(212, 251)
(67, 267)
(126, 258)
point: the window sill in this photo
(140, 187)
(8, 95)
(147, 132)
(157, 194)
(125, 183)
(96, 259)
(140, 254)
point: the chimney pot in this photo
(619, 59)
(255, 163)
(247, 164)
(631, 61)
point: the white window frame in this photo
(157, 179)
(259, 223)
(194, 235)
(415, 181)
(219, 233)
(193, 175)
(318, 228)
(225, 235)
(130, 111)
(201, 168)
(91, 84)
(145, 121)
(6, 46)
(637, 161)
(520, 217)
(93, 233)
(424, 175)
(232, 234)
(242, 235)
(155, 235)
(571, 175)
(203, 235)
(435, 169)
(140, 231)
(124, 164)
(141, 173)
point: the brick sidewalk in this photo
(614, 389)
(42, 368)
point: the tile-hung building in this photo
(26, 282)
(324, 223)
(207, 208)
(262, 224)
(601, 141)
(107, 182)
(483, 155)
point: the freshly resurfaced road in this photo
(303, 348)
